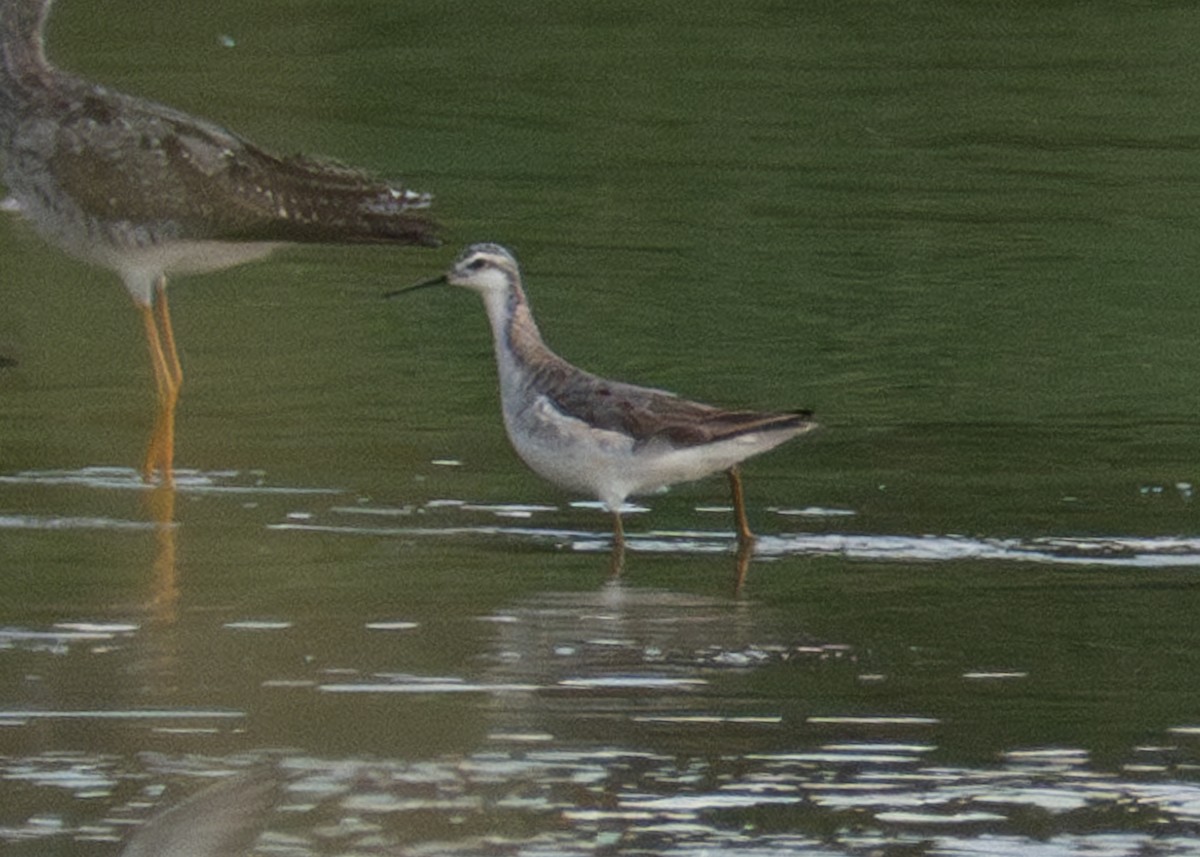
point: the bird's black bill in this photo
(436, 281)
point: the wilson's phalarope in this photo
(609, 439)
(147, 191)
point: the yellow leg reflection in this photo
(157, 652)
(163, 604)
(745, 537)
(168, 378)
(617, 562)
(745, 552)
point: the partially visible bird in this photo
(221, 820)
(606, 438)
(150, 192)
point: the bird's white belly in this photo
(139, 254)
(608, 464)
(570, 453)
(139, 267)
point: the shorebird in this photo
(606, 438)
(217, 821)
(147, 191)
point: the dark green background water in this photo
(964, 234)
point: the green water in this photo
(963, 234)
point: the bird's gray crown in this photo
(485, 249)
(485, 268)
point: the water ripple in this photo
(835, 799)
(59, 637)
(70, 522)
(186, 481)
(1113, 551)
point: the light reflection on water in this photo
(611, 725)
(840, 799)
(1114, 550)
(960, 234)
(451, 518)
(186, 481)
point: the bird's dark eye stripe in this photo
(476, 264)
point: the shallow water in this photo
(964, 239)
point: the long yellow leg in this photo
(168, 333)
(168, 378)
(745, 537)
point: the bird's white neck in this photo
(521, 355)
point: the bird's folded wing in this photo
(124, 159)
(648, 415)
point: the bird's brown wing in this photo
(649, 415)
(120, 158)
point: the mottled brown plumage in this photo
(149, 192)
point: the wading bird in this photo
(149, 192)
(606, 438)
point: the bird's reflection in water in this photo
(159, 643)
(222, 820)
(595, 657)
(741, 568)
(163, 603)
(745, 553)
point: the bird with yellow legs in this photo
(148, 192)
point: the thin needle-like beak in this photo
(436, 281)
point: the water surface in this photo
(962, 236)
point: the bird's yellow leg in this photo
(174, 368)
(168, 376)
(160, 449)
(745, 536)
